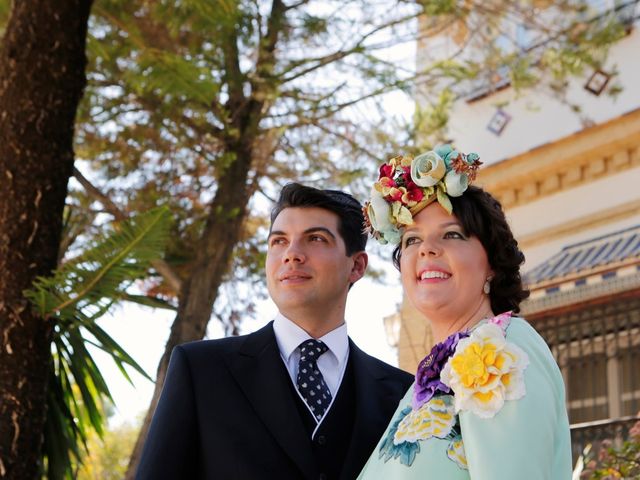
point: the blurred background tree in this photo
(107, 458)
(614, 459)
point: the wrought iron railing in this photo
(598, 350)
(592, 434)
(597, 347)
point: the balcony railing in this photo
(593, 433)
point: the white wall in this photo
(538, 118)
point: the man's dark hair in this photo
(347, 208)
(481, 215)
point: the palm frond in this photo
(74, 297)
(104, 269)
(149, 301)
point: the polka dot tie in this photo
(310, 381)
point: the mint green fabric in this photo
(528, 439)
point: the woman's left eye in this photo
(454, 234)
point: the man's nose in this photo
(294, 253)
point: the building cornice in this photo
(587, 222)
(590, 154)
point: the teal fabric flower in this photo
(406, 451)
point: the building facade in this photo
(570, 185)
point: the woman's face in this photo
(443, 270)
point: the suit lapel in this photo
(262, 376)
(373, 399)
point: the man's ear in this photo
(360, 262)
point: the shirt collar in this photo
(289, 336)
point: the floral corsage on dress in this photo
(474, 371)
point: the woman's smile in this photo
(433, 276)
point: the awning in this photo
(598, 268)
(589, 255)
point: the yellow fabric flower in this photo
(384, 186)
(485, 371)
(435, 418)
(396, 161)
(455, 452)
(401, 214)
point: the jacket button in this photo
(322, 439)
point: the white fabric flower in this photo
(485, 371)
(379, 211)
(380, 215)
(456, 183)
(427, 169)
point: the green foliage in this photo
(5, 9)
(108, 455)
(619, 460)
(439, 7)
(523, 75)
(581, 47)
(431, 121)
(80, 292)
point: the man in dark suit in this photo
(297, 399)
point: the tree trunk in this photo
(199, 292)
(42, 64)
(228, 209)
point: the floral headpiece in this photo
(406, 185)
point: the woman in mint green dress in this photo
(488, 402)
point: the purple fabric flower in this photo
(428, 375)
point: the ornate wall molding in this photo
(595, 220)
(583, 157)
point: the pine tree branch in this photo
(358, 47)
(263, 85)
(350, 141)
(95, 193)
(233, 74)
(293, 6)
(329, 111)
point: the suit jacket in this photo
(227, 412)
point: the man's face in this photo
(308, 270)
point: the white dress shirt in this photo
(332, 363)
